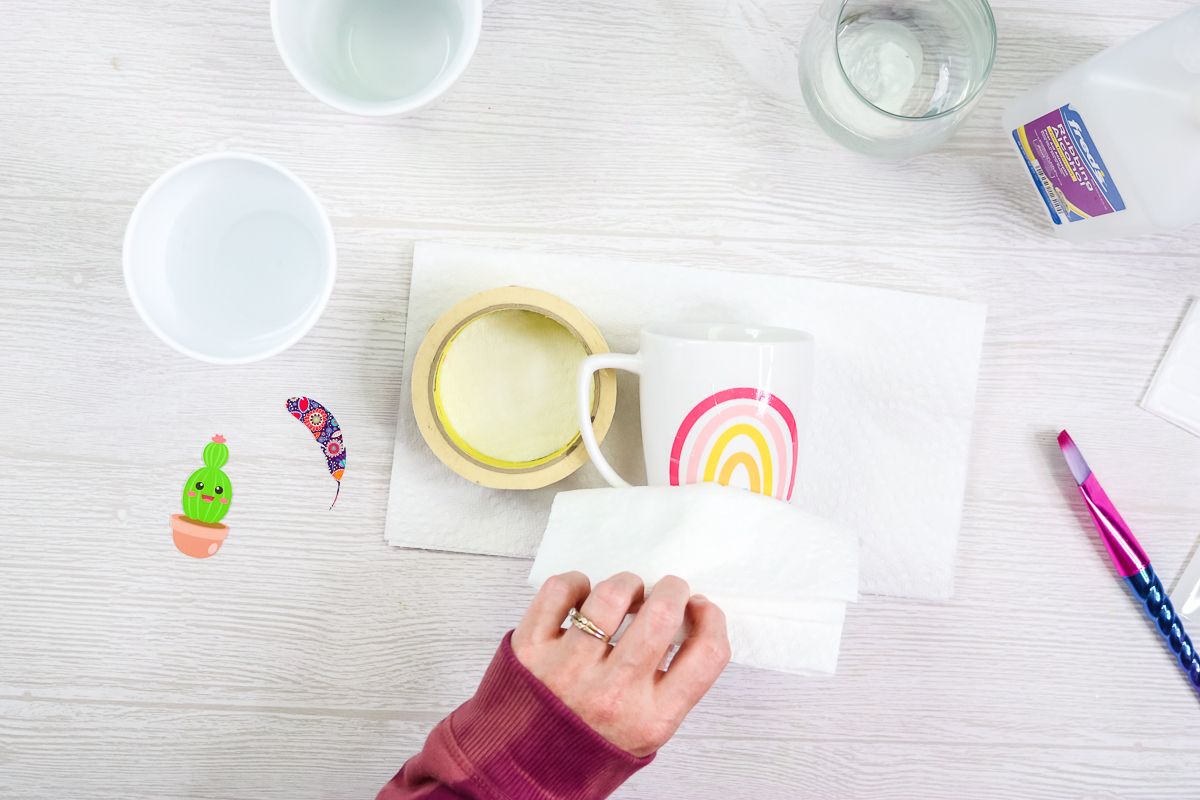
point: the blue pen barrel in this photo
(1149, 590)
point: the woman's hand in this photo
(618, 689)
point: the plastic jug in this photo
(1113, 145)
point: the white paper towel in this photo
(1174, 393)
(781, 575)
(807, 644)
(893, 397)
(724, 542)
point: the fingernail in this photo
(699, 598)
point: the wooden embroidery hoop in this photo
(459, 455)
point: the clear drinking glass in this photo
(895, 78)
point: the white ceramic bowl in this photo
(377, 57)
(229, 258)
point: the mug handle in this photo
(583, 386)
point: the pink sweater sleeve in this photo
(514, 740)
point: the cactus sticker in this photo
(207, 493)
(198, 531)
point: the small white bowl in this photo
(229, 258)
(377, 57)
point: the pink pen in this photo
(1131, 562)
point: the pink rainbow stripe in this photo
(727, 414)
(720, 397)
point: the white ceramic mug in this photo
(725, 403)
(377, 57)
(229, 258)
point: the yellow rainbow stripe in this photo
(714, 457)
(746, 460)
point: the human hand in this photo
(618, 689)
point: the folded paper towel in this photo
(724, 542)
(781, 575)
(1174, 393)
(893, 397)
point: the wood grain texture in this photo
(308, 659)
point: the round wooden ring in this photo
(457, 454)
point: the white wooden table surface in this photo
(308, 659)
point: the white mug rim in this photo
(745, 334)
(148, 197)
(430, 94)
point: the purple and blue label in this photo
(1066, 167)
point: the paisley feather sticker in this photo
(326, 431)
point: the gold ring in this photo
(584, 624)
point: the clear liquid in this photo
(883, 60)
(382, 50)
(240, 280)
(911, 60)
(895, 78)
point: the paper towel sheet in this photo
(806, 645)
(887, 444)
(781, 575)
(724, 542)
(798, 646)
(1174, 393)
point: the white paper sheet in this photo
(893, 399)
(1174, 392)
(781, 575)
(724, 542)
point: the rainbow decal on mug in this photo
(734, 428)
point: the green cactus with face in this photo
(208, 493)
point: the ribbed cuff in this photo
(526, 743)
